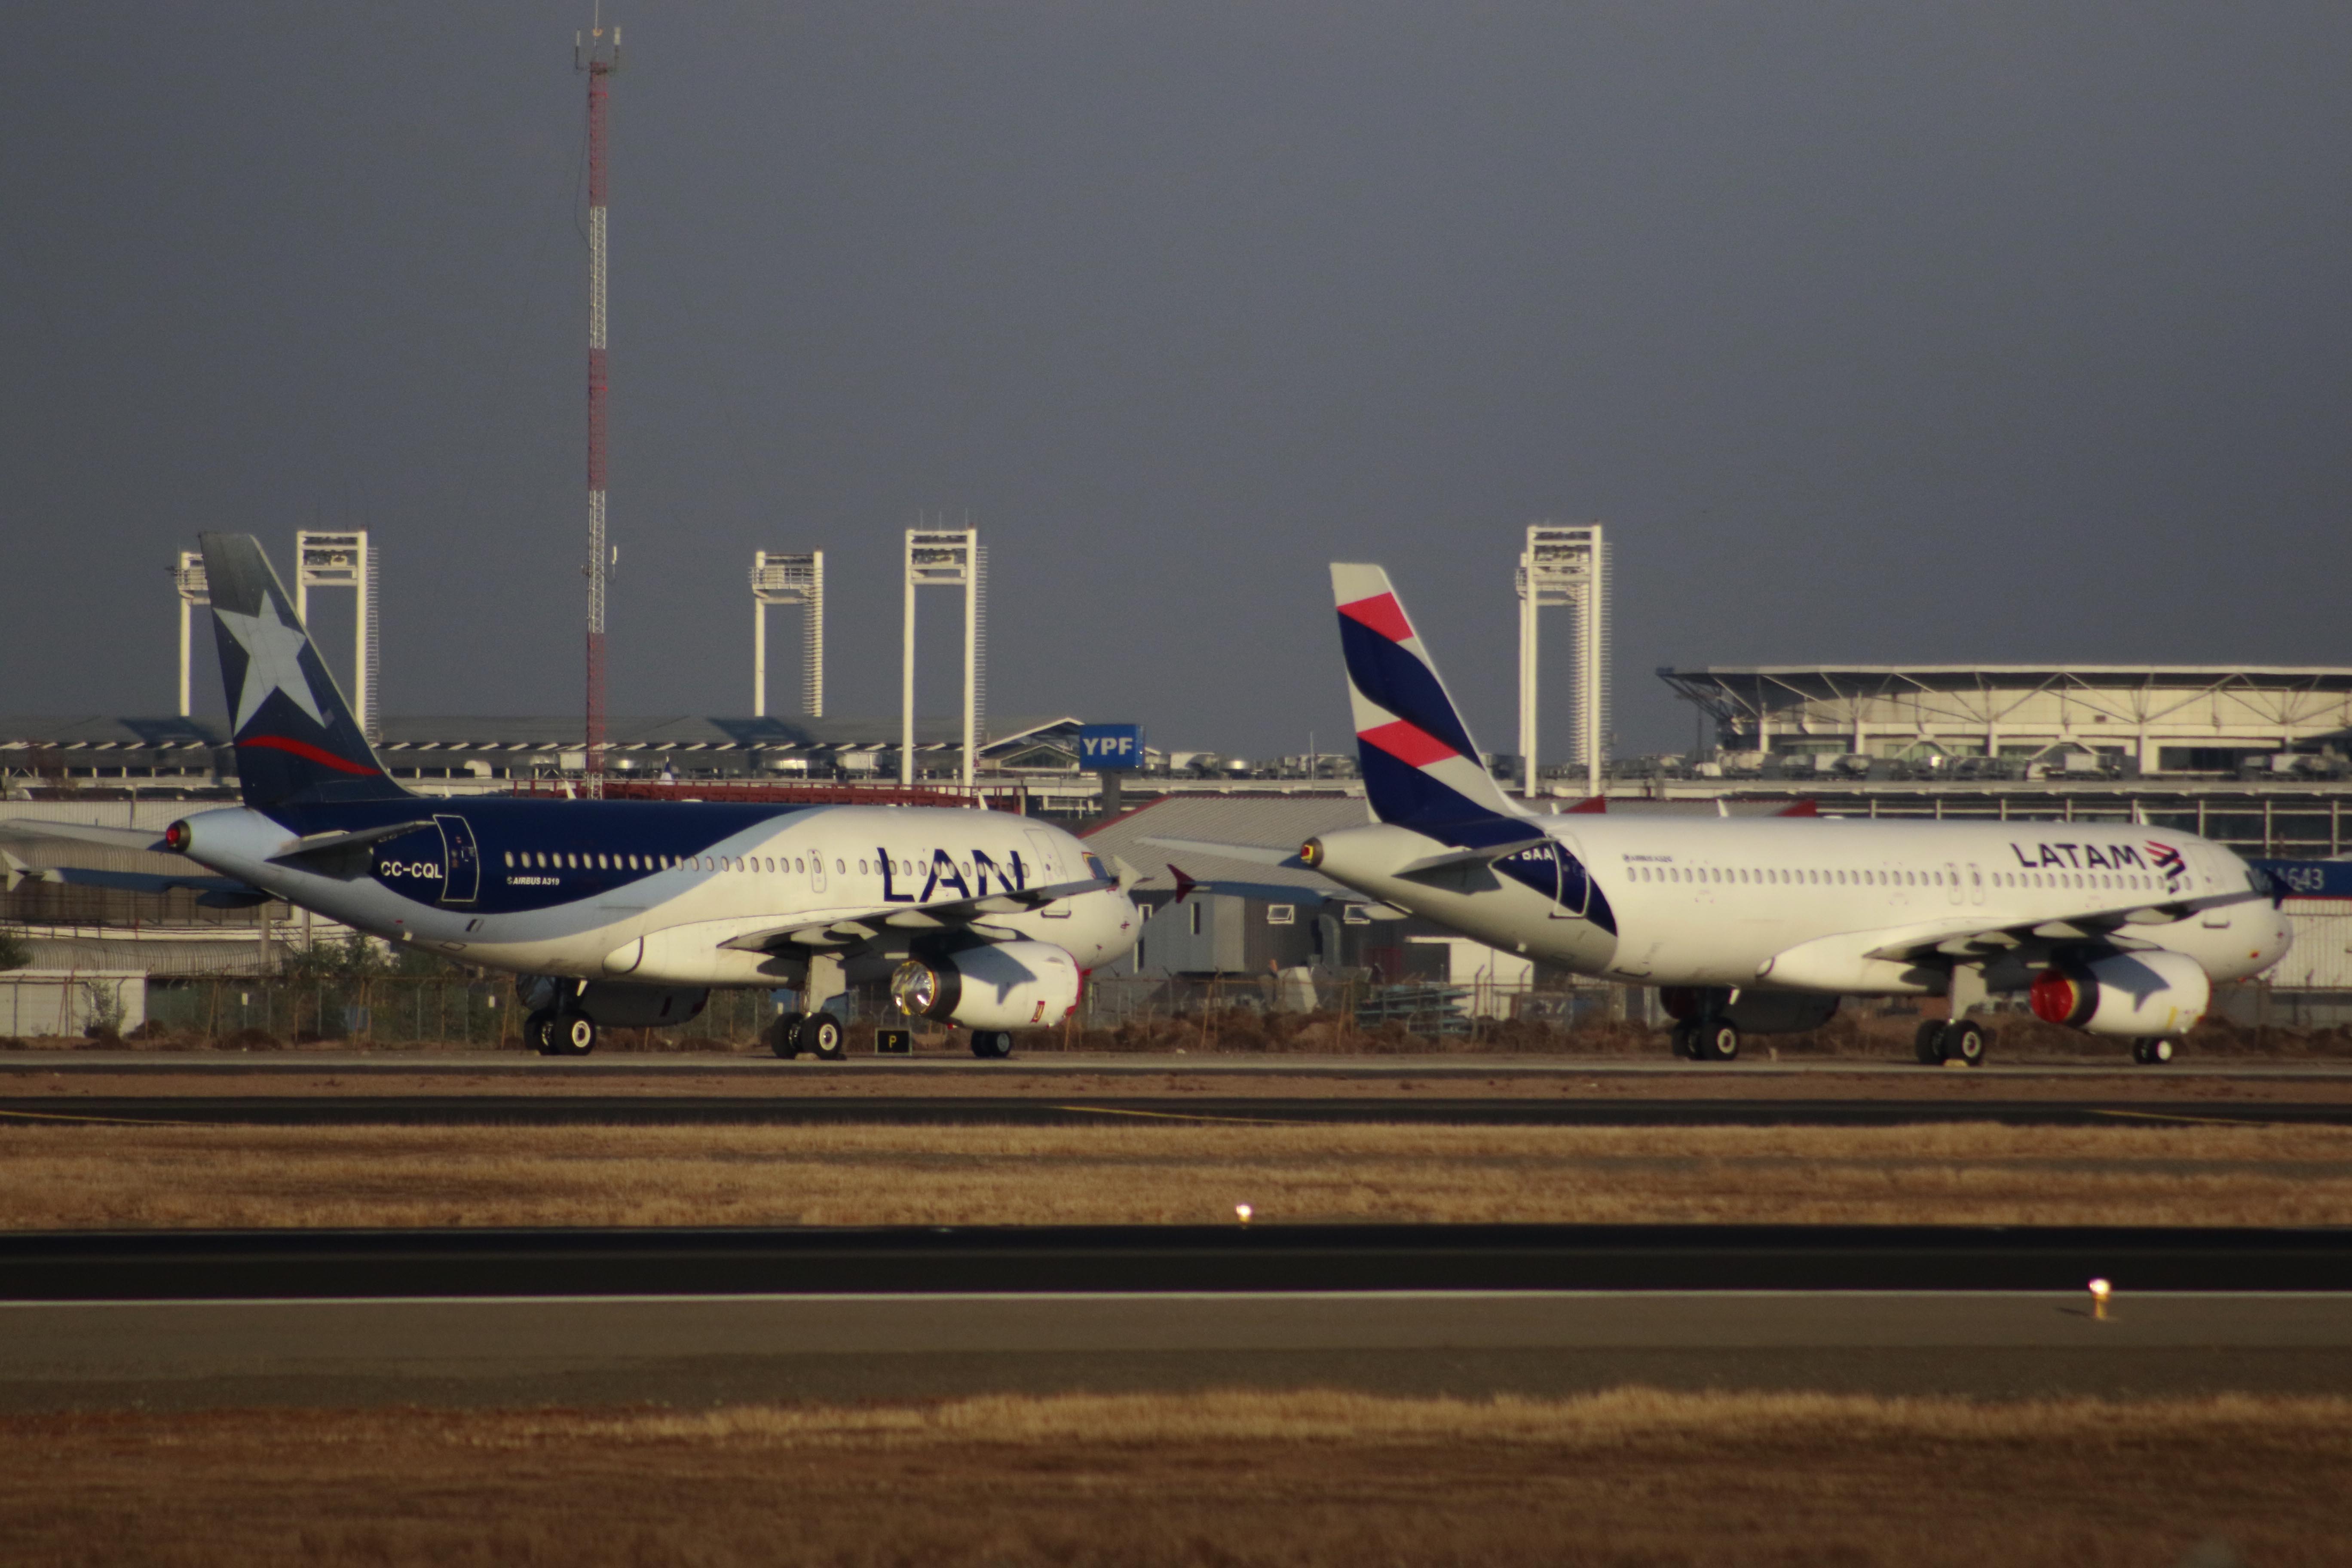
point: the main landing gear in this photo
(991, 1044)
(1708, 1040)
(2153, 1053)
(554, 1033)
(819, 1033)
(1961, 1040)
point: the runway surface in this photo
(1310, 1259)
(743, 1347)
(1056, 1065)
(640, 1110)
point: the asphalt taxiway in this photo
(1061, 1066)
(700, 1352)
(479, 1110)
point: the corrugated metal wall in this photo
(2321, 959)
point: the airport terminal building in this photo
(2128, 720)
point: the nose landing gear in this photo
(2153, 1053)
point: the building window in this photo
(1196, 919)
(1281, 914)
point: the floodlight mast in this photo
(785, 577)
(342, 558)
(599, 55)
(195, 593)
(1567, 568)
(946, 558)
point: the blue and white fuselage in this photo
(626, 912)
(652, 891)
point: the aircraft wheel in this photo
(1719, 1041)
(539, 1031)
(1965, 1041)
(822, 1034)
(784, 1034)
(574, 1035)
(1685, 1041)
(2152, 1053)
(1927, 1045)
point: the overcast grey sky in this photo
(1875, 332)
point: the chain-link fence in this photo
(1117, 1013)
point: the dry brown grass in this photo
(68, 1176)
(1632, 1477)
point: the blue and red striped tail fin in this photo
(1421, 768)
(297, 741)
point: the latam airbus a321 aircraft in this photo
(1760, 924)
(625, 913)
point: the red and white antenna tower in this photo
(599, 55)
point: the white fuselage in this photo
(1798, 903)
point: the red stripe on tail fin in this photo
(1383, 615)
(309, 753)
(1409, 744)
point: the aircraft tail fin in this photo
(297, 741)
(1421, 767)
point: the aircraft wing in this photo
(1841, 961)
(854, 928)
(1963, 938)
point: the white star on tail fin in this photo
(273, 661)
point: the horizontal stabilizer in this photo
(213, 892)
(1483, 856)
(145, 838)
(1252, 854)
(320, 844)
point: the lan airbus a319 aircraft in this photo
(1760, 924)
(625, 913)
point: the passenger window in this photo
(840, 869)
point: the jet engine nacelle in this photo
(1755, 1012)
(2130, 994)
(1005, 985)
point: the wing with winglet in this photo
(1862, 959)
(852, 928)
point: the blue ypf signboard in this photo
(1114, 746)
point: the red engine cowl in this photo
(2136, 995)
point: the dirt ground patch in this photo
(1631, 1476)
(66, 1176)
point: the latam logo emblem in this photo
(2167, 860)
